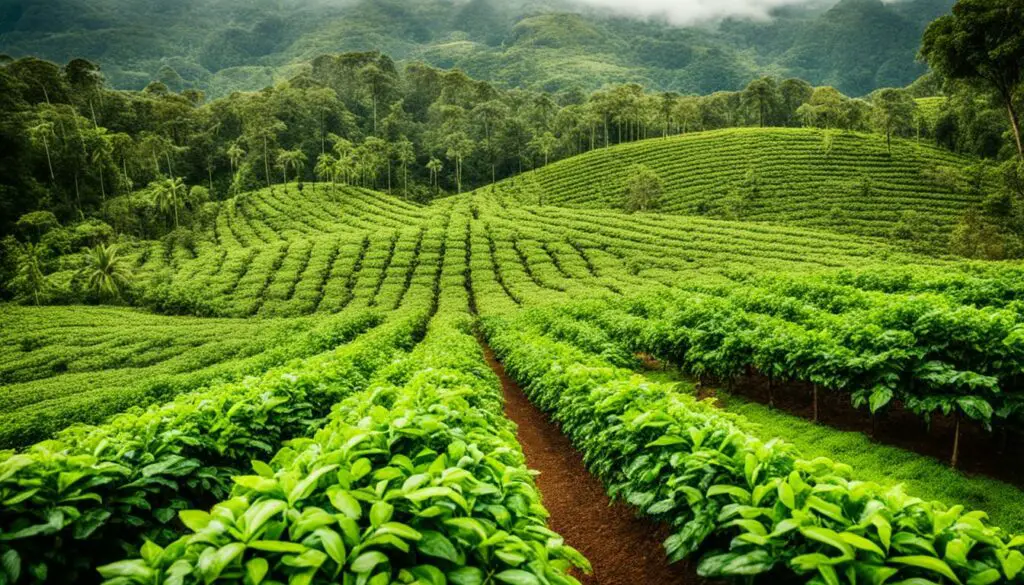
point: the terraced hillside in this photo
(845, 182)
(313, 399)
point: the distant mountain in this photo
(225, 45)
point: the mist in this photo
(687, 12)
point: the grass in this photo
(922, 476)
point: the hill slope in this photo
(786, 176)
(224, 45)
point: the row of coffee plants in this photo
(82, 499)
(417, 479)
(926, 351)
(94, 387)
(752, 510)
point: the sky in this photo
(682, 12)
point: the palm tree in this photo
(235, 154)
(294, 159)
(43, 132)
(106, 271)
(30, 278)
(168, 195)
(458, 146)
(405, 152)
(435, 167)
(324, 168)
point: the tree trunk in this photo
(771, 392)
(956, 442)
(266, 161)
(815, 391)
(1015, 123)
(49, 163)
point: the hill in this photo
(377, 352)
(224, 46)
(844, 182)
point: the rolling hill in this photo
(843, 182)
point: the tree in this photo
(325, 168)
(435, 167)
(106, 272)
(982, 41)
(169, 196)
(763, 98)
(43, 133)
(642, 190)
(376, 84)
(235, 155)
(292, 159)
(894, 112)
(458, 147)
(29, 279)
(544, 144)
(794, 93)
(824, 109)
(405, 153)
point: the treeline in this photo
(146, 162)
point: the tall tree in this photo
(893, 112)
(762, 97)
(169, 196)
(405, 154)
(983, 41)
(292, 159)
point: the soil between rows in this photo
(623, 549)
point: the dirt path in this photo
(623, 549)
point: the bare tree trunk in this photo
(1015, 123)
(771, 392)
(815, 403)
(956, 442)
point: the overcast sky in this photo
(696, 11)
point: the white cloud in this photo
(684, 12)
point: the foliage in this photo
(642, 189)
(752, 509)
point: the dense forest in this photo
(221, 46)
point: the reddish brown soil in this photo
(623, 549)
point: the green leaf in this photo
(366, 562)
(333, 544)
(12, 565)
(133, 570)
(195, 520)
(305, 487)
(466, 576)
(736, 564)
(786, 495)
(928, 564)
(987, 577)
(741, 495)
(212, 565)
(255, 571)
(517, 577)
(861, 543)
(880, 397)
(345, 503)
(435, 544)
(829, 537)
(278, 546)
(380, 513)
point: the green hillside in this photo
(220, 46)
(846, 182)
(520, 322)
(336, 316)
